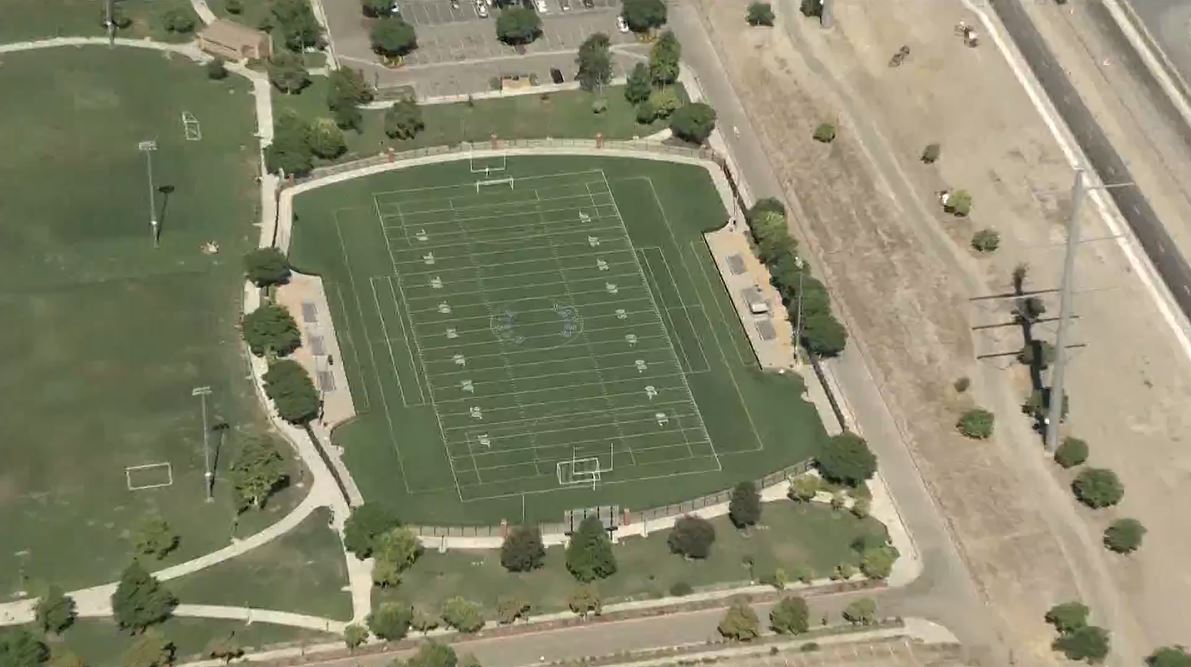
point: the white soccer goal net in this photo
(487, 164)
(494, 184)
(584, 470)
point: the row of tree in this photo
(821, 332)
(790, 616)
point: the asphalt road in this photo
(1169, 24)
(1171, 265)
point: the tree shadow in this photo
(166, 191)
(1035, 354)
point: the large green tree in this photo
(258, 472)
(55, 611)
(518, 25)
(1089, 643)
(463, 615)
(295, 21)
(395, 550)
(266, 266)
(287, 72)
(744, 507)
(290, 152)
(271, 330)
(1169, 656)
(692, 536)
(20, 648)
(693, 122)
(390, 621)
(589, 553)
(638, 86)
(290, 388)
(347, 89)
(403, 120)
(595, 62)
(522, 549)
(644, 15)
(790, 616)
(140, 600)
(846, 459)
(861, 612)
(740, 622)
(1068, 617)
(392, 37)
(366, 523)
(664, 56)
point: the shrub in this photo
(55, 611)
(861, 507)
(403, 120)
(1037, 352)
(179, 20)
(266, 266)
(270, 330)
(760, 13)
(847, 459)
(790, 616)
(1037, 404)
(600, 105)
(861, 612)
(463, 615)
(878, 563)
(986, 240)
(811, 8)
(959, 203)
(589, 553)
(803, 488)
(976, 423)
(1124, 535)
(1089, 643)
(287, 72)
(1067, 617)
(646, 114)
(843, 571)
(522, 550)
(1169, 656)
(692, 537)
(744, 508)
(395, 551)
(740, 622)
(585, 600)
(961, 384)
(366, 523)
(1071, 452)
(233, 6)
(216, 69)
(154, 537)
(354, 635)
(390, 621)
(1098, 487)
(693, 122)
(664, 101)
(510, 608)
(931, 153)
(681, 588)
(825, 133)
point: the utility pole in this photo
(798, 310)
(208, 475)
(147, 147)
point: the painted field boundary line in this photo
(539, 448)
(403, 206)
(681, 304)
(528, 311)
(520, 239)
(566, 456)
(437, 221)
(560, 374)
(603, 482)
(547, 361)
(351, 341)
(699, 253)
(471, 184)
(648, 419)
(422, 259)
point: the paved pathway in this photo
(204, 11)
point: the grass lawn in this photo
(808, 534)
(113, 334)
(302, 572)
(101, 642)
(497, 343)
(565, 114)
(253, 13)
(39, 19)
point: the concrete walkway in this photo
(204, 11)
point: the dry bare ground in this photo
(904, 275)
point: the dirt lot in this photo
(892, 653)
(904, 274)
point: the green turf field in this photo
(106, 336)
(556, 338)
(41, 19)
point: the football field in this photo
(539, 330)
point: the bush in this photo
(811, 8)
(861, 508)
(740, 622)
(846, 459)
(803, 488)
(986, 240)
(1124, 535)
(179, 20)
(790, 616)
(825, 133)
(390, 621)
(366, 523)
(843, 571)
(1071, 452)
(289, 387)
(403, 120)
(822, 334)
(760, 13)
(600, 105)
(354, 635)
(216, 69)
(646, 114)
(233, 6)
(266, 266)
(270, 330)
(693, 122)
(744, 507)
(664, 102)
(961, 384)
(395, 551)
(287, 72)
(326, 139)
(931, 153)
(1037, 352)
(1067, 617)
(639, 85)
(509, 608)
(522, 550)
(976, 423)
(861, 612)
(463, 615)
(681, 588)
(1037, 404)
(692, 537)
(589, 553)
(1098, 487)
(1089, 643)
(54, 612)
(585, 600)
(877, 563)
(959, 203)
(1169, 656)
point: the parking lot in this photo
(451, 39)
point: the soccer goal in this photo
(584, 470)
(149, 476)
(494, 184)
(191, 127)
(487, 164)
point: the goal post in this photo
(584, 470)
(489, 183)
(487, 164)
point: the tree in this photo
(390, 621)
(366, 523)
(509, 608)
(589, 553)
(692, 537)
(760, 13)
(1071, 452)
(224, 648)
(292, 158)
(179, 20)
(394, 551)
(644, 15)
(790, 616)
(595, 62)
(638, 86)
(424, 621)
(847, 460)
(296, 23)
(664, 102)
(1098, 487)
(1038, 353)
(958, 203)
(585, 600)
(154, 537)
(403, 120)
(744, 507)
(803, 488)
(664, 57)
(233, 6)
(518, 25)
(270, 330)
(693, 122)
(1089, 643)
(140, 600)
(1169, 656)
(258, 472)
(646, 114)
(824, 133)
(877, 563)
(216, 69)
(1124, 535)
(823, 335)
(287, 73)
(20, 648)
(522, 549)
(354, 635)
(347, 89)
(55, 611)
(986, 240)
(463, 615)
(63, 658)
(266, 266)
(740, 622)
(376, 8)
(392, 37)
(931, 153)
(326, 139)
(861, 507)
(151, 649)
(290, 388)
(1067, 617)
(861, 612)
(843, 571)
(433, 654)
(976, 423)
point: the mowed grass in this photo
(560, 115)
(101, 642)
(790, 535)
(106, 336)
(42, 19)
(302, 572)
(757, 422)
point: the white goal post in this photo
(490, 182)
(584, 470)
(487, 164)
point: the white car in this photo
(541, 5)
(482, 9)
(621, 24)
(394, 10)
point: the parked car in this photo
(565, 4)
(394, 9)
(621, 24)
(454, 4)
(556, 75)
(589, 3)
(482, 9)
(541, 6)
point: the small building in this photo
(231, 41)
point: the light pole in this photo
(147, 147)
(798, 309)
(208, 476)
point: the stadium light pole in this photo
(208, 476)
(147, 147)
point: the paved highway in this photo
(1169, 24)
(1171, 265)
